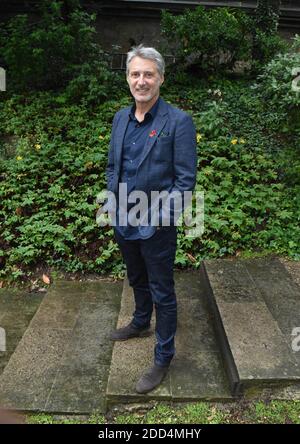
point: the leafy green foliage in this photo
(212, 40)
(48, 189)
(280, 89)
(49, 184)
(265, 47)
(56, 52)
(266, 41)
(53, 156)
(208, 39)
(267, 15)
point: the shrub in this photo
(265, 47)
(279, 87)
(209, 39)
(93, 84)
(266, 41)
(267, 15)
(53, 52)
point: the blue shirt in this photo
(133, 146)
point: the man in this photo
(152, 148)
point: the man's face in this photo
(143, 79)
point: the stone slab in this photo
(199, 375)
(77, 389)
(61, 363)
(283, 301)
(260, 350)
(16, 311)
(28, 377)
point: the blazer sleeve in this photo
(185, 155)
(111, 161)
(184, 165)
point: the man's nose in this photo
(141, 80)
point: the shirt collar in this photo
(152, 111)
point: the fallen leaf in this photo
(46, 280)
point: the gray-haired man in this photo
(153, 148)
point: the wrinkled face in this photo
(143, 79)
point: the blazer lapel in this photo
(158, 124)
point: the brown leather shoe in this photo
(128, 332)
(151, 378)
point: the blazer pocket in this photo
(165, 144)
(164, 139)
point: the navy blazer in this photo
(169, 160)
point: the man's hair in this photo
(146, 53)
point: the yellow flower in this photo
(234, 141)
(37, 146)
(101, 137)
(88, 165)
(19, 157)
(199, 137)
(242, 141)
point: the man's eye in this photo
(135, 75)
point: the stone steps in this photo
(196, 372)
(235, 319)
(256, 305)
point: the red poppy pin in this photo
(153, 133)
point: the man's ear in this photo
(162, 79)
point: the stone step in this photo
(61, 363)
(17, 308)
(255, 304)
(196, 372)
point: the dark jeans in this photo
(150, 265)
